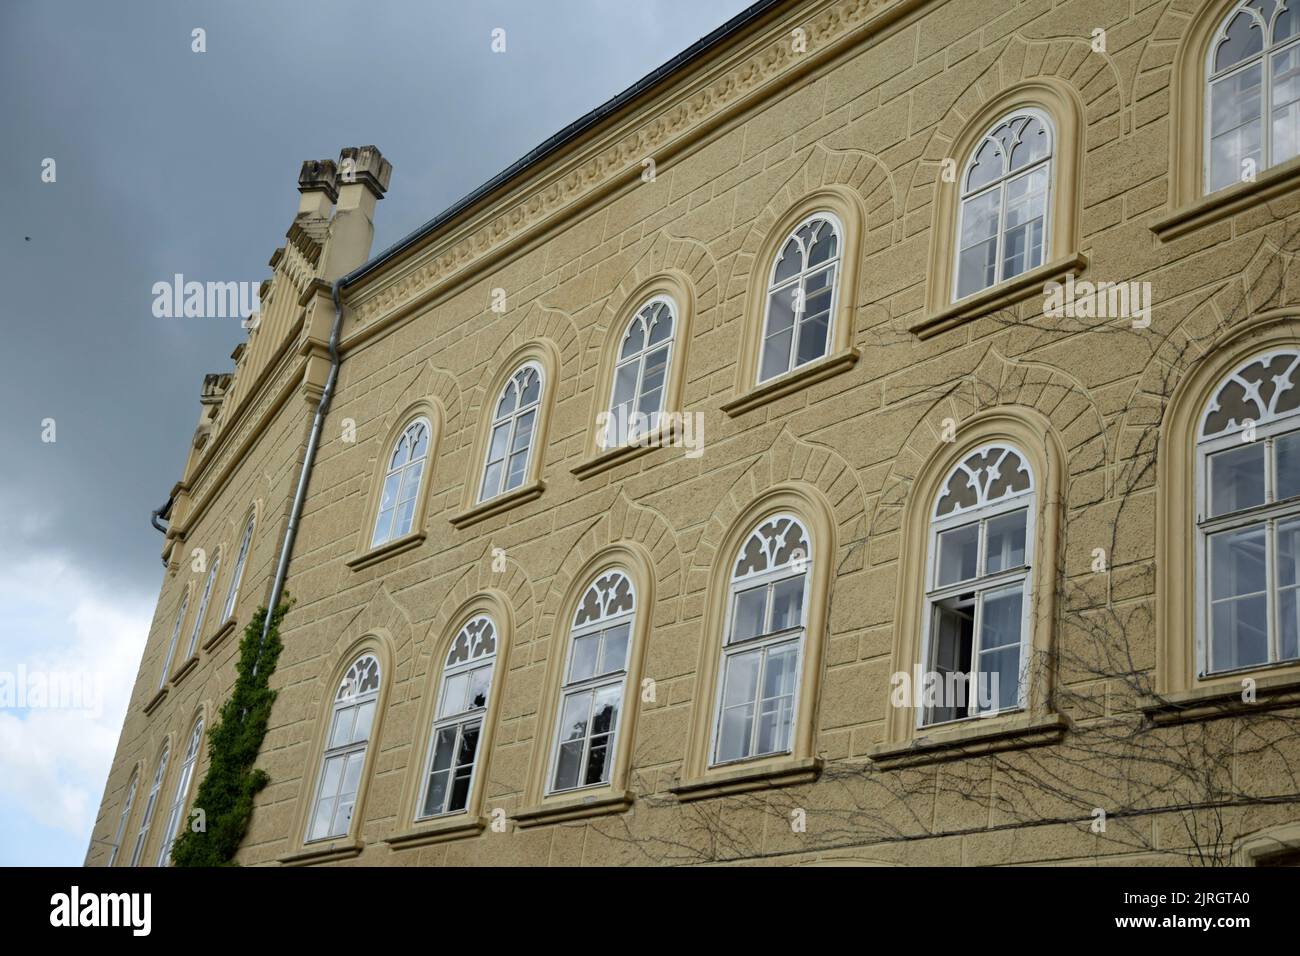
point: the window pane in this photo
(453, 695)
(779, 334)
(1239, 604)
(568, 765)
(604, 715)
(497, 446)
(365, 717)
(787, 603)
(1243, 39)
(585, 650)
(1234, 126)
(573, 719)
(597, 763)
(614, 653)
(480, 682)
(977, 266)
(1026, 213)
(491, 480)
(953, 643)
(747, 618)
(523, 431)
(998, 680)
(652, 380)
(518, 465)
(1237, 478)
(1001, 618)
(734, 734)
(1288, 604)
(532, 390)
(958, 551)
(341, 732)
(813, 328)
(1005, 546)
(1286, 454)
(740, 683)
(1237, 562)
(1286, 105)
(997, 685)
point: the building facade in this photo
(873, 440)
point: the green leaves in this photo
(227, 791)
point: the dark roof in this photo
(567, 135)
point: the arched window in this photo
(641, 374)
(801, 297)
(1253, 101)
(763, 647)
(208, 585)
(513, 424)
(122, 820)
(176, 635)
(401, 487)
(1248, 517)
(462, 703)
(232, 593)
(351, 718)
(1002, 226)
(977, 587)
(595, 675)
(175, 814)
(150, 805)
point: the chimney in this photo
(361, 178)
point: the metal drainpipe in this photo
(291, 531)
(163, 512)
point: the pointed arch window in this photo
(176, 636)
(401, 488)
(1002, 225)
(175, 815)
(202, 612)
(510, 441)
(122, 820)
(595, 678)
(241, 558)
(977, 587)
(641, 373)
(1248, 517)
(801, 297)
(763, 649)
(351, 720)
(150, 805)
(1253, 100)
(463, 697)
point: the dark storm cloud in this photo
(172, 161)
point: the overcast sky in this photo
(168, 161)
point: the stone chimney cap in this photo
(366, 165)
(319, 175)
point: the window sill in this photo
(562, 809)
(223, 632)
(1222, 699)
(494, 506)
(339, 849)
(974, 738)
(184, 670)
(1227, 202)
(155, 700)
(386, 550)
(1022, 287)
(438, 831)
(800, 378)
(784, 772)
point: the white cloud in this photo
(53, 762)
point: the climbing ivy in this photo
(225, 796)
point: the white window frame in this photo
(799, 281)
(403, 473)
(232, 593)
(150, 806)
(965, 196)
(593, 685)
(124, 818)
(176, 636)
(345, 700)
(202, 612)
(1265, 60)
(639, 359)
(764, 643)
(462, 720)
(981, 584)
(1267, 430)
(512, 418)
(175, 813)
